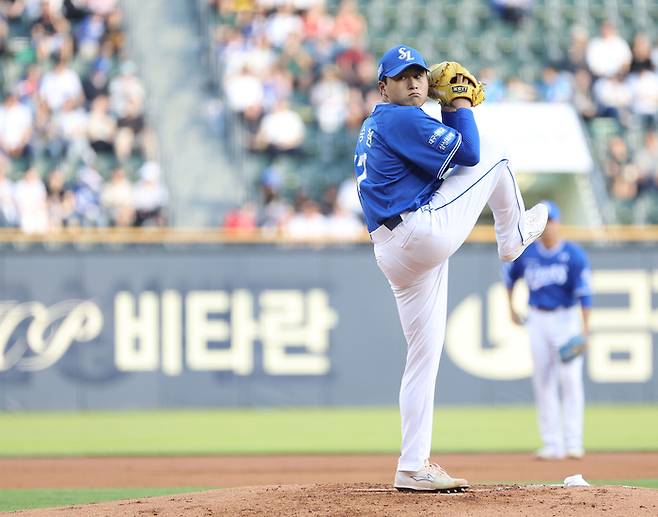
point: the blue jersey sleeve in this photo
(582, 276)
(463, 121)
(511, 272)
(422, 140)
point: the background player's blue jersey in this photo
(556, 278)
(400, 157)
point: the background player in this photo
(558, 276)
(417, 218)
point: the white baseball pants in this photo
(414, 259)
(560, 424)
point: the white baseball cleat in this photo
(546, 453)
(431, 478)
(535, 222)
(575, 453)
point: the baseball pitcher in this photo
(422, 185)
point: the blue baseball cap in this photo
(553, 210)
(398, 58)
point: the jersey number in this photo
(361, 162)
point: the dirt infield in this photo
(344, 485)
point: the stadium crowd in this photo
(299, 76)
(301, 80)
(75, 149)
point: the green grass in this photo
(473, 429)
(646, 483)
(24, 499)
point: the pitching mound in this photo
(365, 499)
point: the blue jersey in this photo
(400, 157)
(556, 278)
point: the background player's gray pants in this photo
(560, 419)
(414, 258)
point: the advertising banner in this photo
(238, 326)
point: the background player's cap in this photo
(553, 210)
(396, 59)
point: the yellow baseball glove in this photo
(450, 80)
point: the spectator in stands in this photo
(613, 97)
(555, 86)
(260, 55)
(307, 223)
(642, 54)
(104, 8)
(15, 127)
(512, 11)
(51, 31)
(347, 198)
(494, 86)
(647, 161)
(342, 224)
(229, 50)
(8, 211)
(88, 35)
(576, 57)
(243, 90)
(283, 23)
(151, 196)
(520, 91)
(97, 83)
(4, 35)
(349, 61)
(28, 88)
(299, 62)
(356, 110)
(329, 98)
(127, 105)
(31, 203)
(69, 131)
(60, 201)
(13, 10)
(322, 51)
(275, 210)
(59, 85)
(279, 84)
(117, 199)
(88, 197)
(126, 91)
(281, 131)
(366, 69)
(608, 55)
(241, 218)
(317, 22)
(643, 86)
(349, 26)
(622, 174)
(101, 126)
(582, 95)
(115, 36)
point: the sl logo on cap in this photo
(405, 54)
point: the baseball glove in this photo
(572, 348)
(444, 85)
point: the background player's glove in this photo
(445, 86)
(572, 348)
